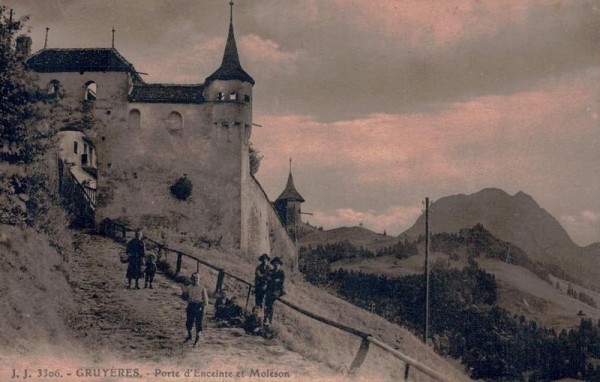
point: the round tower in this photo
(229, 89)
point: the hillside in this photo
(517, 219)
(357, 236)
(521, 291)
(108, 325)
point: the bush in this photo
(182, 189)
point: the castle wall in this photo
(263, 231)
(143, 148)
(140, 163)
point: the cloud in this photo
(266, 51)
(394, 220)
(583, 225)
(536, 141)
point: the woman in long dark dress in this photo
(136, 252)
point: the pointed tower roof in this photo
(290, 193)
(230, 68)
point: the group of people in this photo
(269, 282)
(135, 257)
(268, 285)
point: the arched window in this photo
(90, 91)
(174, 121)
(220, 96)
(53, 87)
(135, 119)
(233, 96)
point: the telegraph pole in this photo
(426, 334)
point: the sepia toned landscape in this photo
(293, 191)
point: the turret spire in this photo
(290, 193)
(231, 68)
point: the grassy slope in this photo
(357, 236)
(520, 291)
(40, 299)
(322, 343)
(36, 297)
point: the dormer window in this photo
(220, 96)
(246, 98)
(233, 96)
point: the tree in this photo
(17, 90)
(255, 159)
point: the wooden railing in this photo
(119, 231)
(80, 200)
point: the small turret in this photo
(288, 205)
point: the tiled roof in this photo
(167, 93)
(78, 60)
(290, 192)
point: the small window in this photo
(246, 98)
(174, 121)
(53, 87)
(220, 96)
(75, 144)
(90, 91)
(135, 119)
(233, 96)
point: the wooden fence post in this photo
(178, 266)
(360, 355)
(220, 281)
(248, 296)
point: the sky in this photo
(381, 103)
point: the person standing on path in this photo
(136, 252)
(274, 290)
(197, 300)
(150, 270)
(261, 275)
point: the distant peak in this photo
(492, 190)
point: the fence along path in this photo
(119, 231)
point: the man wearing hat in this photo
(261, 276)
(197, 299)
(274, 290)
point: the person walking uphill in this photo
(261, 276)
(274, 289)
(197, 300)
(136, 252)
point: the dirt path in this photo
(147, 325)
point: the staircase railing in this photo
(79, 199)
(119, 231)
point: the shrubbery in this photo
(182, 188)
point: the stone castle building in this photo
(151, 135)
